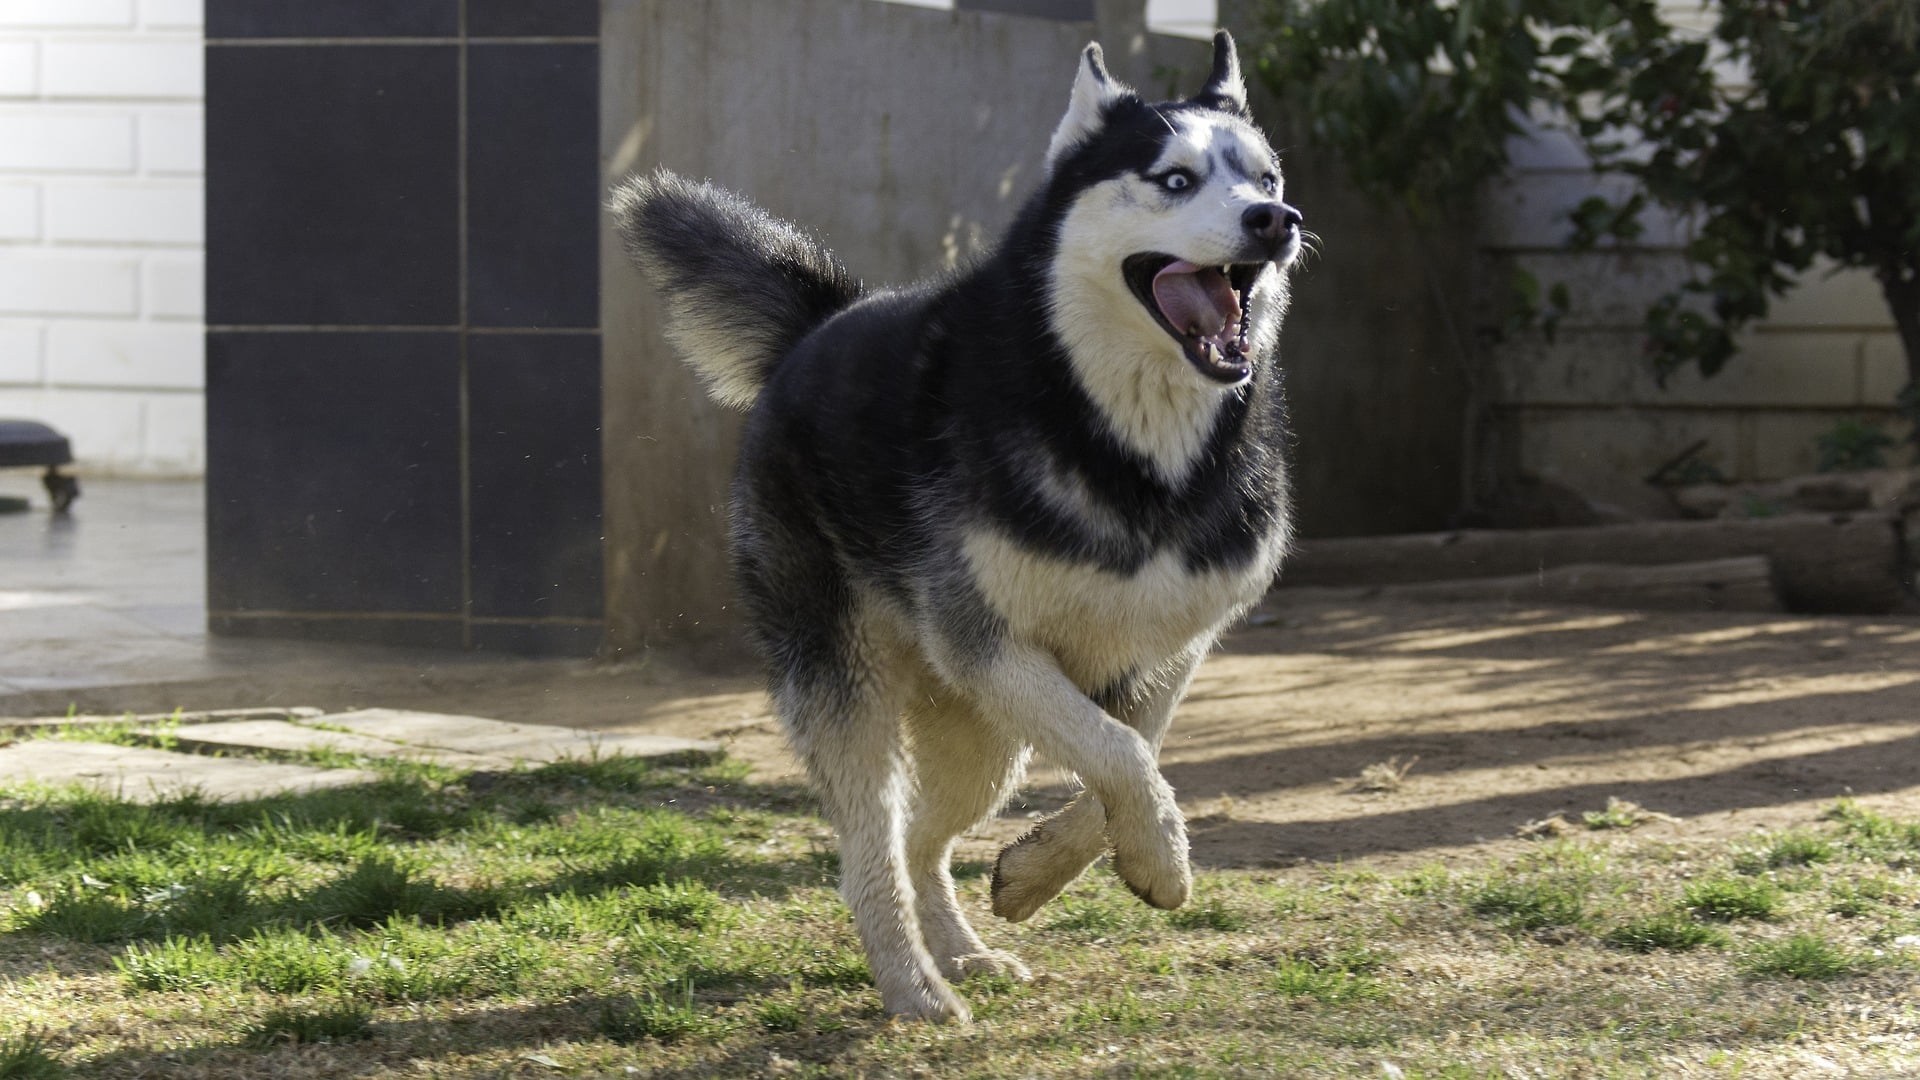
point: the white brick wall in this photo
(171, 14)
(19, 68)
(1587, 408)
(101, 228)
(135, 354)
(19, 211)
(37, 138)
(19, 355)
(174, 286)
(173, 140)
(42, 281)
(120, 212)
(119, 69)
(90, 14)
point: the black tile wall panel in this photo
(533, 18)
(536, 639)
(333, 472)
(533, 183)
(333, 185)
(447, 632)
(335, 18)
(534, 467)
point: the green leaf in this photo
(1526, 289)
(1814, 159)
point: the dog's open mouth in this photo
(1203, 307)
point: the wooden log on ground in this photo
(1743, 583)
(1840, 563)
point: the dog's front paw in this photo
(1153, 863)
(984, 962)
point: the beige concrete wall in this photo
(1587, 409)
(904, 137)
(907, 137)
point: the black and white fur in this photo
(1002, 512)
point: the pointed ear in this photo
(1225, 84)
(1093, 90)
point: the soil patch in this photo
(1728, 722)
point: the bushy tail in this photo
(742, 287)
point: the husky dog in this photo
(1002, 512)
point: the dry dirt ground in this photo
(1727, 722)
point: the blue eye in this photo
(1270, 183)
(1177, 180)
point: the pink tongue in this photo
(1193, 297)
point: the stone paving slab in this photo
(144, 774)
(138, 774)
(28, 724)
(279, 735)
(514, 741)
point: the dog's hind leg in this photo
(851, 742)
(1035, 868)
(964, 771)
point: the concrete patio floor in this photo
(111, 597)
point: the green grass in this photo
(1429, 880)
(666, 1018)
(1208, 913)
(1345, 976)
(346, 1020)
(1533, 903)
(1875, 836)
(124, 732)
(1615, 816)
(1092, 915)
(28, 1056)
(781, 1015)
(1112, 1012)
(1725, 899)
(600, 916)
(1807, 956)
(175, 964)
(1853, 899)
(1785, 851)
(1670, 932)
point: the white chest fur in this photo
(1100, 624)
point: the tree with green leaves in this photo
(1814, 155)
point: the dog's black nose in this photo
(1270, 221)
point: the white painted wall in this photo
(101, 228)
(1587, 410)
(1182, 18)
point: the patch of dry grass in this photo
(1622, 814)
(683, 924)
(1384, 776)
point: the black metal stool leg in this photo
(62, 489)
